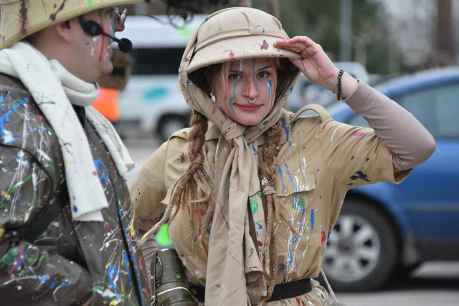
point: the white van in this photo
(152, 97)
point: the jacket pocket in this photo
(297, 230)
(294, 176)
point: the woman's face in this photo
(245, 90)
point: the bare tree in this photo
(273, 8)
(245, 3)
(444, 49)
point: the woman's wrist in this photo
(348, 85)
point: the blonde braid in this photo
(185, 189)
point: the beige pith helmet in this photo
(21, 18)
(237, 33)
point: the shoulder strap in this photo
(311, 111)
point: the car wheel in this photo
(361, 250)
(169, 124)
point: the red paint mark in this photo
(264, 45)
(359, 134)
(94, 173)
(323, 237)
(103, 45)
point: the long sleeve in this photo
(29, 274)
(148, 191)
(406, 138)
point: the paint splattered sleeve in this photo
(358, 156)
(26, 270)
(395, 143)
(409, 142)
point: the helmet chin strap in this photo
(92, 28)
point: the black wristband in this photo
(338, 85)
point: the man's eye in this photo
(263, 74)
(234, 76)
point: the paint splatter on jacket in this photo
(319, 160)
(69, 262)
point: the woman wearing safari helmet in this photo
(251, 191)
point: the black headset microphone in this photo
(92, 28)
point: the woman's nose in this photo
(251, 90)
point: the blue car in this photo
(388, 230)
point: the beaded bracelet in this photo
(338, 87)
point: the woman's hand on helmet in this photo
(313, 62)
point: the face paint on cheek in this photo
(233, 97)
(104, 44)
(103, 48)
(269, 85)
(91, 45)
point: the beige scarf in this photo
(54, 90)
(232, 259)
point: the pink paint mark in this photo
(323, 237)
(264, 45)
(359, 134)
(103, 45)
(231, 55)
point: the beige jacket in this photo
(319, 161)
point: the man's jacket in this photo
(46, 258)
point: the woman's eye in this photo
(234, 76)
(263, 74)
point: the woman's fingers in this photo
(299, 44)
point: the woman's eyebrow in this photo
(263, 67)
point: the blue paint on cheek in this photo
(232, 99)
(269, 83)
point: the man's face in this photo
(94, 52)
(245, 90)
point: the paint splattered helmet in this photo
(237, 33)
(21, 18)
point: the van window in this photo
(156, 61)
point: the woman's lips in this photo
(248, 107)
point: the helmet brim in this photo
(238, 48)
(20, 23)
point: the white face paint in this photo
(94, 53)
(245, 90)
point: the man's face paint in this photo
(100, 52)
(245, 90)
